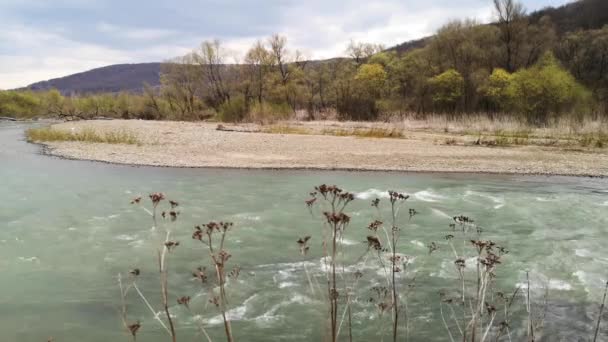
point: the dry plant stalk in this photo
(166, 247)
(206, 234)
(335, 222)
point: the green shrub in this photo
(233, 110)
(266, 112)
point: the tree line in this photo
(519, 65)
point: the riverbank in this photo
(323, 145)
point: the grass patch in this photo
(598, 140)
(48, 134)
(367, 133)
(285, 129)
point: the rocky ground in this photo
(186, 144)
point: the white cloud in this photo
(53, 44)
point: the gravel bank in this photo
(185, 144)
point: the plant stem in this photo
(599, 317)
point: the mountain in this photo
(113, 78)
(578, 15)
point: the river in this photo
(68, 229)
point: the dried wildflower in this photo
(136, 200)
(156, 198)
(303, 243)
(374, 225)
(185, 301)
(460, 263)
(374, 242)
(394, 196)
(133, 328)
(173, 204)
(173, 215)
(215, 300)
(490, 308)
(432, 247)
(413, 213)
(336, 218)
(198, 233)
(163, 214)
(200, 274)
(453, 226)
(135, 272)
(376, 202)
(171, 245)
(234, 274)
(310, 202)
(449, 237)
(463, 219)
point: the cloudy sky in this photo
(43, 39)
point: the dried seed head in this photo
(185, 301)
(134, 272)
(133, 328)
(136, 200)
(157, 197)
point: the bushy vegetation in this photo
(47, 134)
(521, 66)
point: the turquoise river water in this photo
(67, 229)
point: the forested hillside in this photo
(539, 67)
(113, 78)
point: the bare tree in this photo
(511, 16)
(211, 59)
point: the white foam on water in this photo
(125, 237)
(546, 199)
(440, 213)
(348, 242)
(498, 201)
(136, 243)
(429, 196)
(417, 243)
(248, 217)
(271, 315)
(552, 284)
(285, 284)
(582, 253)
(371, 193)
(29, 259)
(605, 204)
(236, 314)
(593, 283)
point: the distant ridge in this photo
(109, 79)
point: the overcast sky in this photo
(43, 39)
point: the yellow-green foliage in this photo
(49, 134)
(371, 78)
(497, 88)
(19, 104)
(448, 88)
(546, 88)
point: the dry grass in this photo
(285, 129)
(373, 132)
(47, 134)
